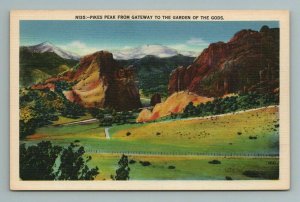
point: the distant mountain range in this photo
(47, 47)
(154, 50)
(139, 52)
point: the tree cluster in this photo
(230, 104)
(108, 117)
(47, 162)
(40, 107)
(37, 108)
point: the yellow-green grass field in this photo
(188, 168)
(254, 132)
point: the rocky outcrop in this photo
(99, 81)
(102, 82)
(172, 105)
(248, 62)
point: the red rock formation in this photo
(172, 105)
(102, 82)
(99, 81)
(248, 61)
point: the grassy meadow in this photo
(252, 132)
(188, 168)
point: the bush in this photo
(228, 178)
(132, 161)
(215, 162)
(171, 167)
(145, 163)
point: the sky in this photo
(83, 37)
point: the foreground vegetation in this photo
(39, 162)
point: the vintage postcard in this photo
(149, 100)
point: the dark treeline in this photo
(229, 104)
(107, 116)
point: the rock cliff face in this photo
(99, 81)
(248, 62)
(102, 82)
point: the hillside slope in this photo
(46, 63)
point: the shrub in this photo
(132, 161)
(215, 162)
(228, 178)
(145, 163)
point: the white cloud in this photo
(79, 47)
(192, 47)
(196, 42)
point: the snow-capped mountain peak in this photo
(142, 51)
(49, 47)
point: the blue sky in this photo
(84, 37)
